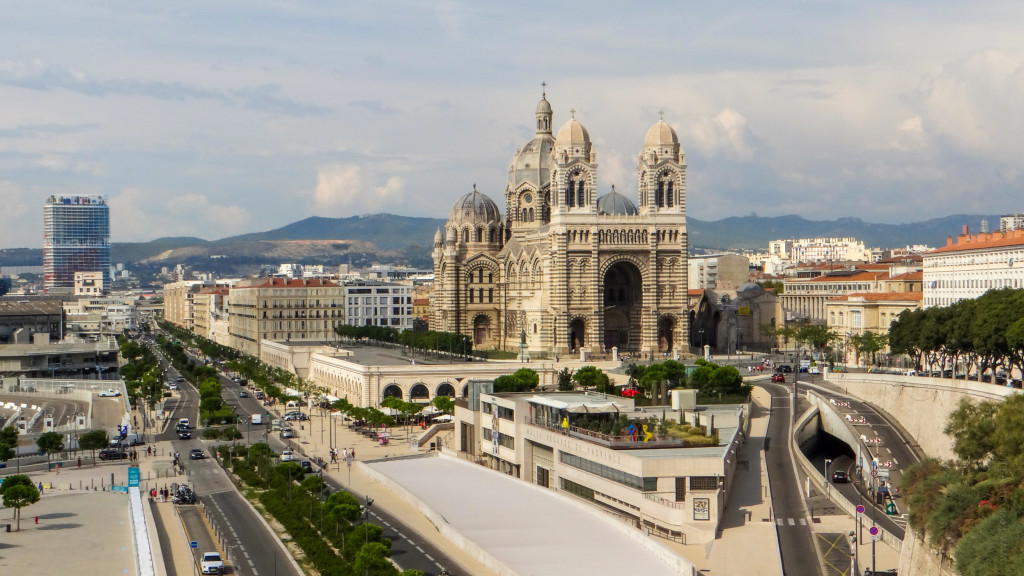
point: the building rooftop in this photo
(882, 296)
(23, 307)
(966, 242)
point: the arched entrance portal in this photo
(623, 302)
(419, 392)
(666, 333)
(577, 334)
(481, 329)
(392, 391)
(446, 389)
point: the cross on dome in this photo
(572, 111)
(543, 89)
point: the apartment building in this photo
(283, 309)
(972, 265)
(379, 304)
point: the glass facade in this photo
(76, 238)
(636, 482)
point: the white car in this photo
(110, 393)
(287, 456)
(211, 563)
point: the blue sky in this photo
(214, 119)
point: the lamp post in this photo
(827, 462)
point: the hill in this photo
(385, 231)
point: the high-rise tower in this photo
(76, 238)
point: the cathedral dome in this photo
(572, 134)
(543, 107)
(615, 204)
(474, 208)
(661, 134)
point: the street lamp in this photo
(827, 462)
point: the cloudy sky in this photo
(211, 119)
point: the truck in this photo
(257, 418)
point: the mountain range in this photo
(361, 240)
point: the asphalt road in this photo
(796, 542)
(895, 449)
(245, 535)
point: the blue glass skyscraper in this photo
(76, 238)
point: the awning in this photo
(604, 408)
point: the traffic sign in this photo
(194, 544)
(860, 509)
(874, 473)
(873, 531)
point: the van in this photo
(183, 423)
(292, 404)
(276, 424)
(257, 419)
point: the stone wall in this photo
(918, 558)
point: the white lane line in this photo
(429, 557)
(791, 522)
(421, 550)
(894, 461)
(803, 522)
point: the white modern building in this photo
(973, 265)
(641, 472)
(378, 304)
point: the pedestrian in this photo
(58, 468)
(79, 461)
(149, 450)
(40, 487)
(352, 451)
(344, 455)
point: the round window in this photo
(527, 198)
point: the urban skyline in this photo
(202, 123)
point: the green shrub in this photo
(211, 433)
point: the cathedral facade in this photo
(566, 269)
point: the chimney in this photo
(965, 231)
(949, 240)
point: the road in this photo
(895, 448)
(796, 542)
(245, 534)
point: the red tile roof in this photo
(982, 241)
(882, 296)
(919, 275)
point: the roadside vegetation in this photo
(330, 528)
(974, 507)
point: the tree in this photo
(8, 443)
(51, 443)
(18, 491)
(523, 380)
(444, 403)
(592, 377)
(565, 380)
(372, 560)
(817, 335)
(94, 440)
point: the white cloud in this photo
(724, 134)
(346, 189)
(12, 216)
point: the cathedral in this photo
(567, 269)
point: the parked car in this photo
(779, 377)
(786, 368)
(173, 386)
(110, 393)
(840, 477)
(112, 454)
(814, 370)
(196, 454)
(287, 456)
(211, 563)
(287, 433)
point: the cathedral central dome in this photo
(474, 208)
(615, 204)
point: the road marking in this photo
(421, 550)
(894, 459)
(780, 521)
(429, 557)
(411, 543)
(791, 522)
(803, 522)
(388, 524)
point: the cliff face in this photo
(918, 558)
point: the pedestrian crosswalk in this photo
(791, 521)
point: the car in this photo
(180, 379)
(243, 394)
(814, 370)
(260, 395)
(287, 456)
(167, 394)
(173, 386)
(211, 563)
(840, 477)
(196, 454)
(786, 368)
(287, 433)
(110, 393)
(112, 454)
(184, 435)
(779, 377)
(306, 465)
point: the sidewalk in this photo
(747, 542)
